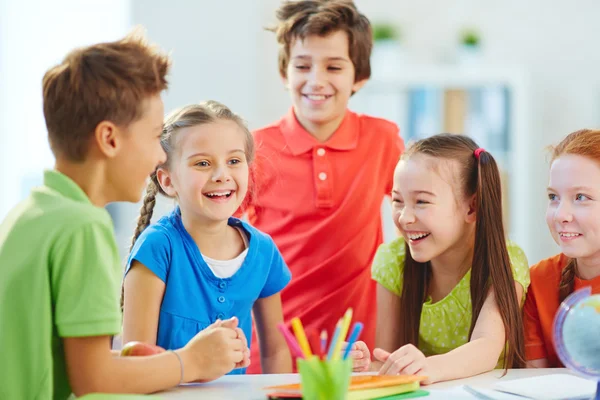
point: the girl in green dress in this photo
(450, 286)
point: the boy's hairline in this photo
(297, 36)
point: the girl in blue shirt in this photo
(199, 264)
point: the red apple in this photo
(141, 349)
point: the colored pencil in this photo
(301, 337)
(323, 341)
(342, 336)
(291, 341)
(332, 343)
(356, 330)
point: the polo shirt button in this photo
(321, 152)
(322, 176)
(222, 285)
(220, 316)
(221, 299)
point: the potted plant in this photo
(384, 31)
(470, 38)
(469, 46)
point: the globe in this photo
(577, 334)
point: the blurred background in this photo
(517, 76)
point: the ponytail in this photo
(491, 263)
(144, 219)
(146, 210)
(567, 280)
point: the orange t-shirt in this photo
(541, 306)
(321, 204)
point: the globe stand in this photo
(565, 307)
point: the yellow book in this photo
(375, 393)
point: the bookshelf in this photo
(489, 103)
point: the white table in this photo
(250, 387)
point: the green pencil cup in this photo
(324, 379)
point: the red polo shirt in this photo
(321, 204)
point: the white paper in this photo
(469, 392)
(550, 387)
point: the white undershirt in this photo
(226, 268)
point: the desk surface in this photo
(250, 387)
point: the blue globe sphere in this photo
(577, 334)
(581, 333)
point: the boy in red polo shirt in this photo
(323, 171)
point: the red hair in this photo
(586, 143)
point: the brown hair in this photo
(300, 19)
(101, 82)
(491, 267)
(185, 117)
(586, 143)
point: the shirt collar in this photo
(299, 141)
(64, 185)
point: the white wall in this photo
(214, 50)
(35, 35)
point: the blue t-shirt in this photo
(194, 297)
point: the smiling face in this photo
(209, 172)
(573, 213)
(320, 76)
(429, 208)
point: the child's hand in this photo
(360, 354)
(213, 352)
(407, 360)
(232, 324)
(245, 363)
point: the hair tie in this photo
(478, 151)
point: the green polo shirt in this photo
(59, 277)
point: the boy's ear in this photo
(358, 85)
(285, 81)
(108, 138)
(165, 182)
(471, 216)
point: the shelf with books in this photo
(490, 104)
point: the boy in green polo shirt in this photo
(59, 268)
